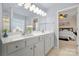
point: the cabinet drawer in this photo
(32, 41)
(28, 51)
(14, 46)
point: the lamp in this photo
(61, 16)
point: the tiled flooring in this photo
(67, 48)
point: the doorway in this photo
(67, 25)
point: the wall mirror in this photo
(17, 23)
(6, 23)
(35, 24)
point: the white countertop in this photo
(21, 37)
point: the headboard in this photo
(69, 29)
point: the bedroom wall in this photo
(73, 22)
(69, 22)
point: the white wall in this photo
(53, 17)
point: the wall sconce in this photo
(62, 16)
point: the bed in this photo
(67, 33)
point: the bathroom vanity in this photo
(37, 44)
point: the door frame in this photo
(68, 8)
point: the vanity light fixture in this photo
(33, 8)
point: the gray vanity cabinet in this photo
(39, 47)
(28, 51)
(47, 43)
(32, 41)
(31, 46)
(52, 40)
(13, 47)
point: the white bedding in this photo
(67, 34)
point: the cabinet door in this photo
(39, 48)
(47, 44)
(52, 40)
(28, 51)
(32, 41)
(15, 46)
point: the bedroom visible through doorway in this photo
(67, 20)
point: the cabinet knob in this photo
(31, 48)
(16, 46)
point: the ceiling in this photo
(44, 6)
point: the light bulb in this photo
(27, 5)
(32, 7)
(39, 12)
(36, 10)
(44, 14)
